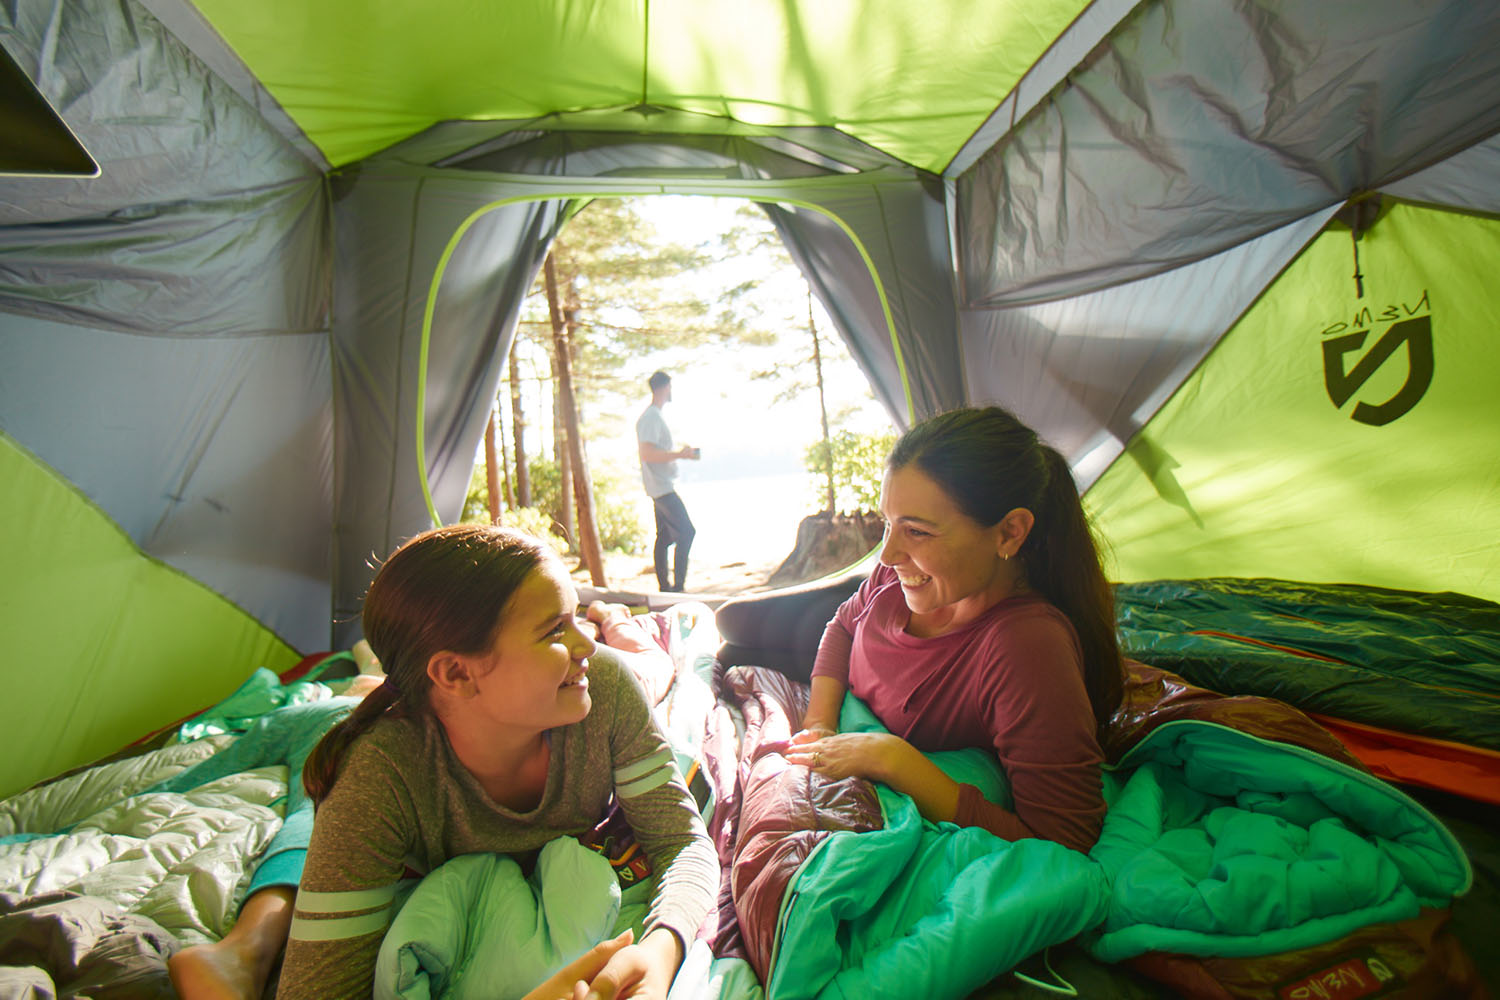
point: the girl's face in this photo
(535, 676)
(948, 564)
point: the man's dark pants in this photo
(673, 527)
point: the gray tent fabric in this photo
(213, 454)
(163, 327)
(1065, 54)
(1465, 180)
(201, 204)
(1202, 123)
(1091, 370)
(847, 292)
(378, 351)
(189, 26)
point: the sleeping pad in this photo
(1216, 842)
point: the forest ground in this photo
(634, 574)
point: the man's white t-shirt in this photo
(651, 428)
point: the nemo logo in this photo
(1344, 379)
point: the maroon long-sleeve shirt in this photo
(1011, 680)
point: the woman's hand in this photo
(885, 758)
(876, 756)
(644, 970)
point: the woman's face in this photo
(948, 564)
(536, 674)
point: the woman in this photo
(987, 623)
(493, 732)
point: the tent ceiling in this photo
(914, 81)
(1200, 124)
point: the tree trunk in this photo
(583, 482)
(563, 513)
(491, 473)
(517, 431)
(546, 384)
(505, 482)
(588, 529)
(812, 328)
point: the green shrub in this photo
(616, 513)
(858, 467)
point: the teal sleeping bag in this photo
(921, 909)
(477, 928)
(1216, 842)
(1221, 843)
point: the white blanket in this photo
(180, 859)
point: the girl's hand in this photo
(644, 970)
(583, 968)
(844, 755)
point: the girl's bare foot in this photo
(238, 967)
(214, 972)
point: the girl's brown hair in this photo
(989, 463)
(444, 589)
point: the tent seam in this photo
(420, 420)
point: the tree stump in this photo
(828, 542)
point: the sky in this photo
(741, 428)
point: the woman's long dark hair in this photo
(444, 589)
(989, 463)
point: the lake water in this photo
(746, 520)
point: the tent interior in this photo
(1234, 260)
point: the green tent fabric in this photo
(913, 81)
(93, 597)
(1327, 391)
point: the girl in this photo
(987, 623)
(494, 731)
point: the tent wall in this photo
(1334, 437)
(1176, 179)
(379, 344)
(103, 643)
(1464, 181)
(164, 393)
(1090, 370)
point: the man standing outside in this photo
(658, 470)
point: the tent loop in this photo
(1359, 214)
